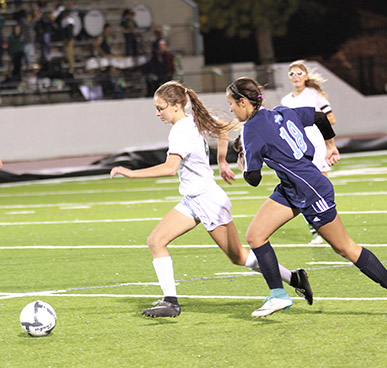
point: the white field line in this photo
(364, 154)
(20, 212)
(363, 171)
(77, 180)
(144, 246)
(91, 191)
(155, 296)
(329, 263)
(68, 291)
(224, 275)
(333, 174)
(226, 187)
(359, 171)
(64, 205)
(107, 221)
(87, 205)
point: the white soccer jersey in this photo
(312, 98)
(308, 97)
(195, 173)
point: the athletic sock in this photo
(268, 264)
(370, 265)
(252, 263)
(164, 271)
(286, 274)
(171, 299)
(279, 294)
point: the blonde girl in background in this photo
(307, 91)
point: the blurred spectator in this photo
(43, 29)
(27, 30)
(168, 60)
(128, 26)
(102, 45)
(42, 4)
(67, 26)
(158, 34)
(16, 52)
(159, 68)
(2, 23)
(56, 18)
(112, 82)
(153, 70)
(18, 3)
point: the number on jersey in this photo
(295, 140)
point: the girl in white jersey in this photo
(203, 200)
(308, 92)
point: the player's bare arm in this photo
(168, 168)
(224, 169)
(333, 155)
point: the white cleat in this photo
(271, 306)
(317, 239)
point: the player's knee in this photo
(152, 242)
(348, 249)
(255, 239)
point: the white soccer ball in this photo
(38, 318)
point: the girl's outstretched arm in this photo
(168, 168)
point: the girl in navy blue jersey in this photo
(277, 137)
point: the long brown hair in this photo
(175, 93)
(314, 79)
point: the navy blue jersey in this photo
(277, 137)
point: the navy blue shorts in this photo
(318, 214)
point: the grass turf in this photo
(99, 293)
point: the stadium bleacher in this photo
(35, 88)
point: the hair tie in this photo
(259, 96)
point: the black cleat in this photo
(300, 282)
(162, 309)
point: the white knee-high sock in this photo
(164, 271)
(252, 263)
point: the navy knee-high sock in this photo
(268, 264)
(370, 265)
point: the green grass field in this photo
(80, 245)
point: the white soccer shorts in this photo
(212, 208)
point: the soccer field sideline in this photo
(66, 292)
(159, 296)
(339, 177)
(145, 246)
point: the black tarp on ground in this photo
(143, 159)
(361, 144)
(131, 160)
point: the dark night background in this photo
(318, 28)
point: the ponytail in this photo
(206, 123)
